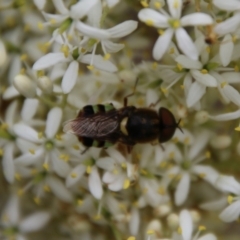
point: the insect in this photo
(103, 125)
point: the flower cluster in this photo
(57, 57)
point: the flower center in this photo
(186, 165)
(174, 23)
(49, 145)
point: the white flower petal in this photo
(39, 4)
(34, 222)
(196, 19)
(57, 18)
(157, 19)
(26, 132)
(117, 184)
(3, 52)
(228, 26)
(186, 224)
(7, 162)
(113, 153)
(99, 62)
(81, 8)
(186, 44)
(122, 29)
(108, 177)
(59, 166)
(187, 62)
(60, 7)
(93, 32)
(232, 94)
(59, 189)
(230, 5)
(53, 122)
(182, 189)
(94, 183)
(231, 213)
(106, 163)
(49, 60)
(226, 116)
(10, 116)
(25, 86)
(215, 205)
(112, 47)
(162, 44)
(231, 77)
(175, 8)
(134, 221)
(10, 92)
(196, 91)
(228, 184)
(75, 175)
(208, 236)
(205, 79)
(11, 210)
(70, 77)
(226, 50)
(29, 109)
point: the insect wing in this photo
(96, 126)
(168, 125)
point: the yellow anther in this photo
(202, 175)
(131, 238)
(160, 31)
(204, 71)
(143, 171)
(179, 66)
(154, 65)
(64, 157)
(58, 137)
(46, 188)
(26, 28)
(223, 84)
(40, 25)
(37, 200)
(182, 87)
(208, 49)
(126, 184)
(70, 37)
(161, 191)
(1, 152)
(201, 228)
(97, 217)
(123, 165)
(157, 5)
(32, 151)
(90, 67)
(149, 22)
(17, 176)
(107, 56)
(65, 50)
(20, 192)
(46, 166)
(150, 232)
(179, 230)
(89, 169)
(144, 3)
(164, 90)
(163, 164)
(237, 128)
(230, 199)
(40, 135)
(172, 50)
(236, 68)
(79, 202)
(76, 147)
(208, 154)
(52, 21)
(73, 175)
(176, 24)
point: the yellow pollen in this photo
(161, 191)
(40, 26)
(123, 165)
(79, 202)
(131, 238)
(4, 126)
(201, 228)
(161, 32)
(1, 152)
(208, 154)
(107, 56)
(65, 50)
(37, 200)
(208, 49)
(97, 217)
(76, 147)
(23, 57)
(58, 137)
(179, 66)
(236, 129)
(64, 157)
(144, 3)
(154, 65)
(90, 67)
(32, 151)
(157, 5)
(73, 175)
(236, 68)
(150, 232)
(230, 199)
(164, 90)
(17, 176)
(179, 230)
(40, 135)
(89, 169)
(46, 188)
(20, 192)
(46, 166)
(149, 22)
(223, 84)
(126, 184)
(52, 21)
(182, 87)
(171, 50)
(202, 175)
(204, 71)
(176, 24)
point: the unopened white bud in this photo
(25, 86)
(163, 210)
(173, 221)
(127, 75)
(201, 117)
(155, 226)
(45, 84)
(221, 142)
(196, 217)
(3, 54)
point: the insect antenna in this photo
(85, 150)
(177, 125)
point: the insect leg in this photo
(84, 151)
(154, 104)
(131, 94)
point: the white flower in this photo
(174, 24)
(229, 185)
(3, 54)
(14, 226)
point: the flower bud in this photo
(127, 75)
(173, 221)
(221, 142)
(3, 54)
(45, 84)
(201, 117)
(25, 86)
